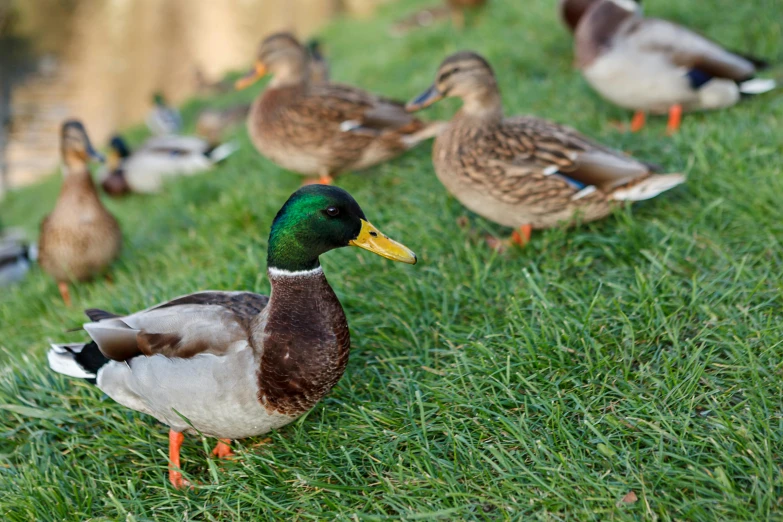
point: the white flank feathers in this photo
(223, 151)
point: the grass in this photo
(642, 353)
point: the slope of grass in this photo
(640, 354)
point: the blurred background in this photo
(103, 59)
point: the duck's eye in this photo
(333, 211)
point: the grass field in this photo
(639, 354)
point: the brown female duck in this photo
(232, 365)
(323, 129)
(525, 172)
(652, 65)
(80, 238)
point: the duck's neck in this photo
(290, 73)
(484, 104)
(305, 341)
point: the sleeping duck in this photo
(525, 172)
(80, 238)
(157, 160)
(651, 65)
(236, 364)
(321, 130)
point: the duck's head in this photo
(75, 145)
(280, 55)
(118, 147)
(314, 49)
(464, 75)
(320, 218)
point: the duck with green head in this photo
(232, 365)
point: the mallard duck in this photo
(525, 172)
(323, 129)
(80, 238)
(158, 159)
(652, 65)
(16, 257)
(455, 9)
(163, 120)
(232, 365)
(319, 66)
(213, 123)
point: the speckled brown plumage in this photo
(325, 129)
(523, 170)
(80, 238)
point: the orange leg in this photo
(222, 449)
(64, 292)
(175, 476)
(637, 123)
(675, 119)
(522, 236)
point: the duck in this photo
(158, 159)
(16, 257)
(322, 130)
(80, 238)
(319, 65)
(163, 120)
(522, 171)
(236, 364)
(214, 123)
(649, 65)
(454, 9)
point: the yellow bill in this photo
(256, 73)
(370, 238)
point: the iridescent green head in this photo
(320, 218)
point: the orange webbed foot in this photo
(521, 237)
(223, 449)
(638, 121)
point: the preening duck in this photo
(525, 172)
(232, 365)
(656, 66)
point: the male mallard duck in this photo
(319, 66)
(80, 238)
(163, 120)
(525, 172)
(158, 159)
(652, 65)
(323, 129)
(232, 365)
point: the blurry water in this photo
(100, 60)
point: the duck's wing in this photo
(354, 108)
(688, 49)
(205, 322)
(548, 149)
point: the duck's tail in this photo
(648, 187)
(77, 360)
(222, 151)
(757, 86)
(428, 131)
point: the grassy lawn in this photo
(642, 353)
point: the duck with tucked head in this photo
(525, 172)
(656, 66)
(323, 129)
(232, 365)
(157, 160)
(80, 238)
